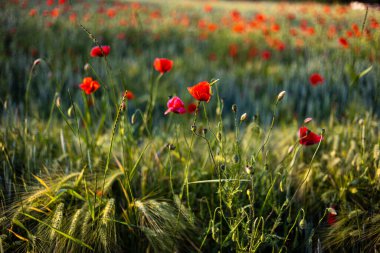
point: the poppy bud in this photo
(290, 149)
(307, 120)
(302, 224)
(204, 131)
(281, 95)
(69, 111)
(332, 211)
(243, 117)
(37, 61)
(193, 128)
(133, 119)
(234, 108)
(58, 102)
(86, 67)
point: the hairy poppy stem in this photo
(112, 139)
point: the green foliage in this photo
(99, 173)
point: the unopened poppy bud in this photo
(307, 120)
(302, 224)
(37, 61)
(86, 67)
(249, 170)
(290, 149)
(249, 193)
(193, 128)
(234, 108)
(204, 131)
(243, 117)
(262, 237)
(58, 102)
(332, 211)
(69, 111)
(361, 121)
(133, 119)
(281, 95)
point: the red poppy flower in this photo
(343, 42)
(201, 91)
(331, 215)
(97, 52)
(162, 65)
(191, 108)
(265, 55)
(307, 137)
(175, 105)
(129, 95)
(89, 86)
(316, 79)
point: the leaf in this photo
(365, 72)
(132, 172)
(42, 182)
(60, 232)
(18, 236)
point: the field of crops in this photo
(189, 126)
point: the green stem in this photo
(112, 139)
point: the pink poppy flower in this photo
(175, 105)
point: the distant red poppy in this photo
(207, 8)
(97, 52)
(331, 215)
(343, 42)
(265, 55)
(129, 95)
(175, 105)
(316, 79)
(233, 50)
(201, 91)
(89, 86)
(162, 65)
(191, 108)
(307, 137)
(32, 12)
